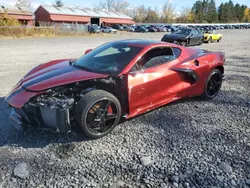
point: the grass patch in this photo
(23, 32)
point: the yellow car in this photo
(210, 36)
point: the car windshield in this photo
(182, 31)
(110, 58)
(209, 32)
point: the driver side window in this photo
(155, 57)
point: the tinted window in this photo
(156, 57)
(183, 31)
(195, 32)
(110, 58)
(177, 52)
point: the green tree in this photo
(198, 9)
(231, 13)
(211, 15)
(59, 3)
(237, 10)
(242, 9)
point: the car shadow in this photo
(173, 128)
(10, 136)
(41, 138)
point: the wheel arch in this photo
(112, 88)
(221, 68)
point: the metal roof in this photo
(83, 12)
(14, 9)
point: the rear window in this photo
(177, 52)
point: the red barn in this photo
(22, 14)
(53, 14)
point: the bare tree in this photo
(168, 12)
(106, 5)
(113, 5)
(139, 14)
(120, 6)
(184, 14)
(23, 3)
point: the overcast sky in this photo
(87, 3)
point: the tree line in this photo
(202, 11)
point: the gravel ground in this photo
(190, 143)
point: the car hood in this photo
(174, 36)
(55, 73)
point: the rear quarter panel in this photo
(207, 62)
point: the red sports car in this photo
(122, 78)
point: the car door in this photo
(151, 83)
(197, 37)
(193, 38)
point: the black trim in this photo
(192, 75)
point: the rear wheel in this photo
(219, 39)
(213, 85)
(97, 113)
(209, 40)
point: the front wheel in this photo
(212, 85)
(184, 43)
(97, 113)
(219, 39)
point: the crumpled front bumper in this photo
(15, 119)
(56, 120)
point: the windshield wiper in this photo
(81, 67)
(72, 61)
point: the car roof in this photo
(144, 43)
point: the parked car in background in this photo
(185, 37)
(212, 35)
(171, 28)
(94, 28)
(152, 29)
(108, 30)
(141, 29)
(128, 28)
(118, 27)
(161, 29)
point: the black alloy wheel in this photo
(101, 116)
(97, 113)
(213, 84)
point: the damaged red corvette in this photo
(118, 79)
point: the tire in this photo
(88, 107)
(207, 95)
(184, 43)
(209, 40)
(219, 39)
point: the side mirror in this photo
(87, 51)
